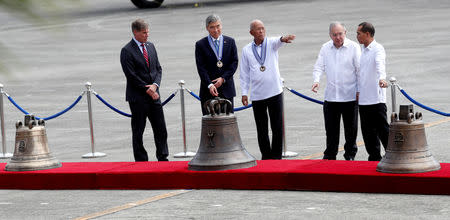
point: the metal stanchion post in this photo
(286, 153)
(3, 154)
(93, 154)
(393, 81)
(185, 153)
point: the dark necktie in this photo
(145, 54)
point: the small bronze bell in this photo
(407, 150)
(31, 151)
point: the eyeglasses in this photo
(338, 34)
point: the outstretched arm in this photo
(288, 38)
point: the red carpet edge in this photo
(311, 175)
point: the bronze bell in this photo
(220, 143)
(407, 150)
(31, 151)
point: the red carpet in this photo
(315, 175)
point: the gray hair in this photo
(139, 25)
(336, 23)
(211, 19)
(252, 24)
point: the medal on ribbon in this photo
(218, 52)
(261, 59)
(262, 68)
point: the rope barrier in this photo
(193, 94)
(242, 108)
(198, 98)
(170, 98)
(124, 113)
(304, 96)
(110, 106)
(235, 109)
(15, 104)
(50, 117)
(421, 105)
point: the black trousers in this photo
(273, 106)
(154, 112)
(208, 97)
(375, 128)
(332, 112)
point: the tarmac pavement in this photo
(50, 63)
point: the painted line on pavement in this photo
(132, 204)
(431, 124)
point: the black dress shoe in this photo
(325, 157)
(349, 158)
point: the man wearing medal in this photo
(217, 60)
(260, 74)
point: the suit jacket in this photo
(137, 72)
(207, 66)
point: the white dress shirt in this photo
(341, 66)
(139, 45)
(372, 70)
(262, 85)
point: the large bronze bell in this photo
(407, 150)
(220, 143)
(31, 151)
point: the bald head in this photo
(255, 23)
(258, 31)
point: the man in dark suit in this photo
(143, 72)
(217, 61)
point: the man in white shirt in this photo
(372, 92)
(339, 59)
(260, 74)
